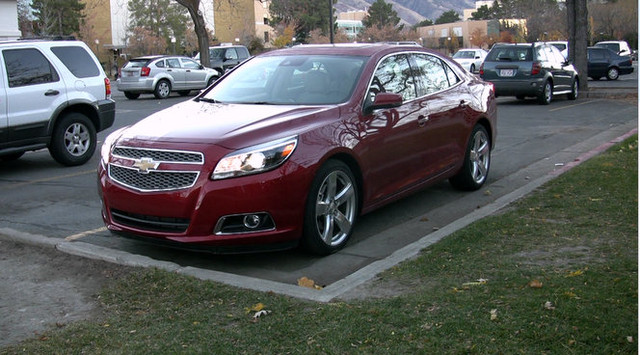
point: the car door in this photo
(559, 67)
(230, 59)
(443, 136)
(393, 136)
(195, 75)
(31, 75)
(597, 62)
(178, 74)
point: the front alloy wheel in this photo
(74, 140)
(332, 208)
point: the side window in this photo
(189, 64)
(173, 63)
(432, 74)
(77, 60)
(540, 54)
(160, 64)
(394, 75)
(28, 67)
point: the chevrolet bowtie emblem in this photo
(144, 165)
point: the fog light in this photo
(251, 221)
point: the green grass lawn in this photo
(555, 273)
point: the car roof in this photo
(356, 49)
(153, 57)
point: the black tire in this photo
(477, 161)
(613, 74)
(331, 209)
(131, 95)
(73, 140)
(547, 93)
(472, 69)
(596, 78)
(184, 92)
(575, 86)
(162, 90)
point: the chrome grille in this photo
(160, 155)
(156, 180)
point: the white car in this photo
(619, 47)
(563, 47)
(55, 95)
(160, 75)
(470, 58)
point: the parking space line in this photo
(53, 178)
(84, 234)
(574, 105)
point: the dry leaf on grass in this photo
(307, 282)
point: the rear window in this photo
(613, 46)
(136, 63)
(77, 60)
(510, 54)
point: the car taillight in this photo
(481, 71)
(144, 71)
(535, 68)
(107, 87)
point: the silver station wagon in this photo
(160, 75)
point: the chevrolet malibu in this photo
(293, 145)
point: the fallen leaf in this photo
(494, 314)
(535, 284)
(255, 308)
(548, 305)
(307, 282)
(575, 273)
(630, 339)
(478, 282)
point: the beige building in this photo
(457, 34)
(236, 22)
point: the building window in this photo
(266, 36)
(266, 20)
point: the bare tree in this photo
(193, 6)
(577, 24)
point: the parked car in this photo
(294, 144)
(530, 69)
(563, 47)
(619, 47)
(161, 75)
(470, 58)
(602, 61)
(55, 95)
(225, 57)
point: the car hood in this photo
(215, 123)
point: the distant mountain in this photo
(411, 11)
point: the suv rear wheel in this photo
(73, 140)
(131, 95)
(547, 94)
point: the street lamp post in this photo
(173, 42)
(97, 41)
(331, 21)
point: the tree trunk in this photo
(200, 29)
(577, 22)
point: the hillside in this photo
(411, 11)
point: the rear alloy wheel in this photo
(613, 74)
(331, 210)
(131, 95)
(547, 94)
(477, 160)
(184, 92)
(74, 140)
(162, 90)
(574, 90)
(212, 80)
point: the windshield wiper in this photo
(205, 99)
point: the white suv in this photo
(55, 95)
(619, 47)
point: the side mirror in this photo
(383, 100)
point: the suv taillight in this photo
(144, 71)
(535, 68)
(107, 87)
(481, 71)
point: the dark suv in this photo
(530, 70)
(224, 57)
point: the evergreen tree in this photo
(448, 17)
(57, 17)
(304, 15)
(483, 13)
(381, 15)
(163, 18)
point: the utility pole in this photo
(331, 21)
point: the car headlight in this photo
(256, 159)
(105, 149)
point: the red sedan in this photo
(293, 145)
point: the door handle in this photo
(188, 70)
(422, 120)
(51, 92)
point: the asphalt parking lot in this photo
(48, 205)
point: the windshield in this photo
(464, 55)
(290, 80)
